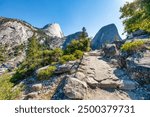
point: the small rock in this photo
(32, 95)
(128, 85)
(37, 87)
(109, 83)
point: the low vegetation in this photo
(2, 53)
(45, 74)
(7, 90)
(66, 58)
(133, 46)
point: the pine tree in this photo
(84, 34)
(33, 56)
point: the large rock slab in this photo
(109, 83)
(75, 89)
(70, 66)
(140, 68)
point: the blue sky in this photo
(72, 15)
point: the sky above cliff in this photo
(72, 15)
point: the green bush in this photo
(66, 58)
(78, 54)
(133, 46)
(6, 88)
(81, 44)
(56, 54)
(45, 74)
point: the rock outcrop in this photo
(14, 32)
(53, 30)
(139, 67)
(105, 35)
(139, 34)
(110, 50)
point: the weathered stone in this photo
(109, 83)
(83, 63)
(3, 70)
(75, 89)
(63, 69)
(80, 70)
(14, 32)
(37, 87)
(43, 68)
(140, 68)
(110, 50)
(91, 82)
(128, 85)
(32, 95)
(82, 67)
(80, 75)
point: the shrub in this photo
(66, 58)
(78, 54)
(133, 46)
(81, 44)
(7, 90)
(56, 54)
(46, 73)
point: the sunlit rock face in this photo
(53, 30)
(14, 32)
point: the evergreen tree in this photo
(2, 53)
(33, 49)
(82, 43)
(84, 34)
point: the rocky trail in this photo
(95, 78)
(98, 79)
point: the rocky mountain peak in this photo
(53, 30)
(14, 32)
(106, 34)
